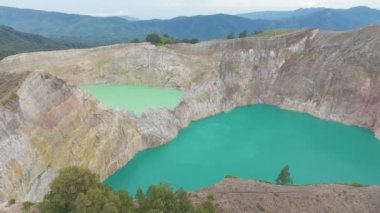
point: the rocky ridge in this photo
(238, 195)
(51, 123)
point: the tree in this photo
(231, 36)
(97, 200)
(141, 201)
(184, 203)
(65, 189)
(194, 41)
(153, 38)
(243, 34)
(79, 190)
(284, 177)
(159, 198)
(126, 202)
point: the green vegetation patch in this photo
(11, 202)
(26, 206)
(10, 100)
(79, 190)
(231, 176)
(353, 184)
(166, 39)
(259, 206)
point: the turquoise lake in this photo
(256, 142)
(134, 97)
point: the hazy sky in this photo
(147, 9)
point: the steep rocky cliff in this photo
(47, 124)
(51, 124)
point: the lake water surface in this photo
(257, 142)
(135, 98)
(250, 142)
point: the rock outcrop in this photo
(47, 124)
(51, 123)
(237, 195)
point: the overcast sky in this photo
(147, 9)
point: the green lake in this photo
(256, 142)
(135, 98)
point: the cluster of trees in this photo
(160, 198)
(78, 190)
(242, 34)
(165, 39)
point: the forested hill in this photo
(14, 42)
(95, 31)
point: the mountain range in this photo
(96, 31)
(278, 15)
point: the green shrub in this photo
(353, 184)
(243, 34)
(231, 36)
(166, 39)
(26, 206)
(210, 197)
(260, 207)
(11, 202)
(12, 98)
(231, 176)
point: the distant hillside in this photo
(279, 15)
(98, 31)
(207, 26)
(68, 27)
(95, 31)
(333, 19)
(14, 42)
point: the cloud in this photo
(308, 3)
(118, 13)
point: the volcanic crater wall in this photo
(48, 123)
